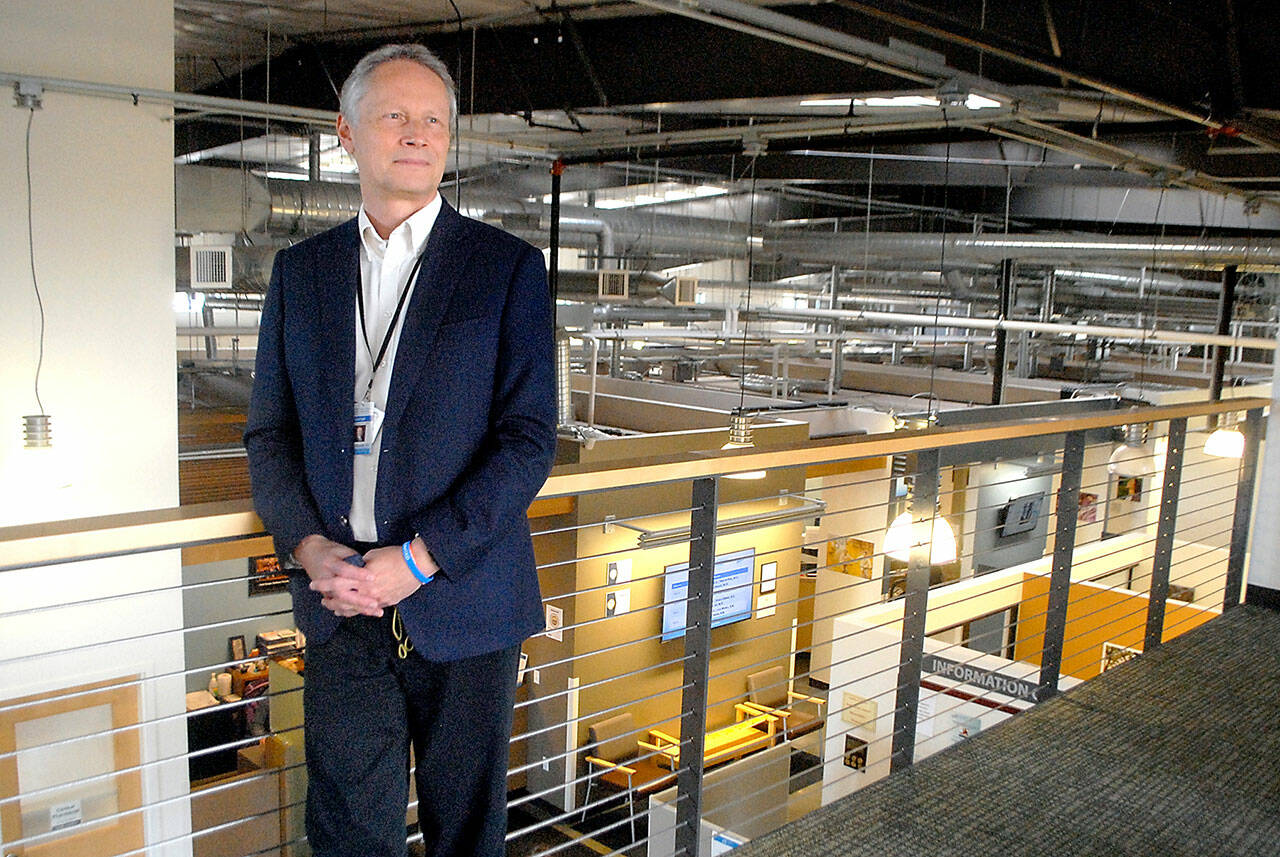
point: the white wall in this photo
(855, 509)
(102, 207)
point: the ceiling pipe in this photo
(1161, 337)
(1060, 248)
(1146, 280)
(983, 42)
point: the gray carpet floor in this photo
(1174, 753)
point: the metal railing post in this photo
(1247, 479)
(1163, 558)
(924, 500)
(1064, 545)
(697, 661)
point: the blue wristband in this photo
(413, 566)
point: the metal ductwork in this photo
(840, 248)
(564, 389)
(220, 199)
(305, 208)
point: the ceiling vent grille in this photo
(614, 285)
(686, 291)
(211, 268)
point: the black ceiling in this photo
(1215, 59)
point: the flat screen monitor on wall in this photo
(1021, 514)
(731, 592)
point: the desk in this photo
(752, 732)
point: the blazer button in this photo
(344, 520)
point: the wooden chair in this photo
(767, 693)
(619, 759)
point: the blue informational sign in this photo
(731, 589)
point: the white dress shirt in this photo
(384, 271)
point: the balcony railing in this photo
(746, 649)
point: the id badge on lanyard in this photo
(365, 427)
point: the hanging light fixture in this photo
(740, 433)
(740, 437)
(37, 431)
(1132, 457)
(1226, 441)
(904, 534)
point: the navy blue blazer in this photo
(468, 438)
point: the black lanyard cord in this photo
(386, 337)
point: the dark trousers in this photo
(364, 705)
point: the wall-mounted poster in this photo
(555, 623)
(1129, 488)
(768, 577)
(855, 753)
(265, 575)
(1114, 654)
(853, 557)
(1087, 510)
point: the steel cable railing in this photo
(630, 662)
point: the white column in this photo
(102, 209)
(1264, 556)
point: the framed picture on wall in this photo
(854, 557)
(1129, 488)
(768, 577)
(266, 576)
(235, 647)
(1087, 508)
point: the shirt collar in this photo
(412, 234)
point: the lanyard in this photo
(386, 337)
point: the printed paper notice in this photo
(555, 623)
(766, 605)
(63, 815)
(924, 717)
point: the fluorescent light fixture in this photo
(804, 510)
(896, 101)
(629, 196)
(979, 102)
(280, 174)
(973, 101)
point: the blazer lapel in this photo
(337, 275)
(445, 257)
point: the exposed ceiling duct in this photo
(1059, 248)
(219, 199)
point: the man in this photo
(402, 420)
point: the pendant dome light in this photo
(1132, 457)
(903, 535)
(1226, 441)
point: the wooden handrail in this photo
(134, 532)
